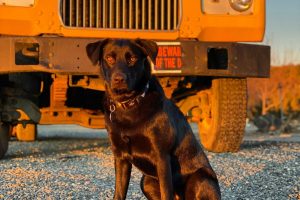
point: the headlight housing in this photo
(21, 3)
(240, 5)
(229, 7)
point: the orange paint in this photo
(44, 18)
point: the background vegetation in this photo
(279, 92)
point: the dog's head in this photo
(124, 64)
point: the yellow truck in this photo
(47, 78)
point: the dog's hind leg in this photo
(202, 185)
(150, 188)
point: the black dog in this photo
(148, 130)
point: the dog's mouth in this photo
(120, 91)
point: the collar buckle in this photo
(112, 108)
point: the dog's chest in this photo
(136, 148)
(130, 143)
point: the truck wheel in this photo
(4, 138)
(223, 110)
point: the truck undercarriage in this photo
(208, 84)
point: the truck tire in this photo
(4, 138)
(223, 111)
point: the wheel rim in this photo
(205, 122)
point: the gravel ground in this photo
(63, 164)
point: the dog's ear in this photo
(149, 47)
(94, 50)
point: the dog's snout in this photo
(119, 77)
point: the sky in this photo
(283, 31)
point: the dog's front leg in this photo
(164, 174)
(123, 171)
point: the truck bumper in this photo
(175, 58)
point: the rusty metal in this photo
(66, 115)
(244, 60)
(58, 92)
(59, 113)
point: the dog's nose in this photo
(118, 77)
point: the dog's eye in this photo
(132, 59)
(110, 59)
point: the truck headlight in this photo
(240, 5)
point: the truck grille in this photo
(157, 15)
